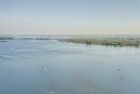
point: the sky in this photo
(69, 16)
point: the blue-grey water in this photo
(53, 67)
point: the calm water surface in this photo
(53, 67)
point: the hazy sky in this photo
(69, 16)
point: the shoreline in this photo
(110, 40)
(116, 41)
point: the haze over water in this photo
(48, 66)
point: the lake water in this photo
(53, 67)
